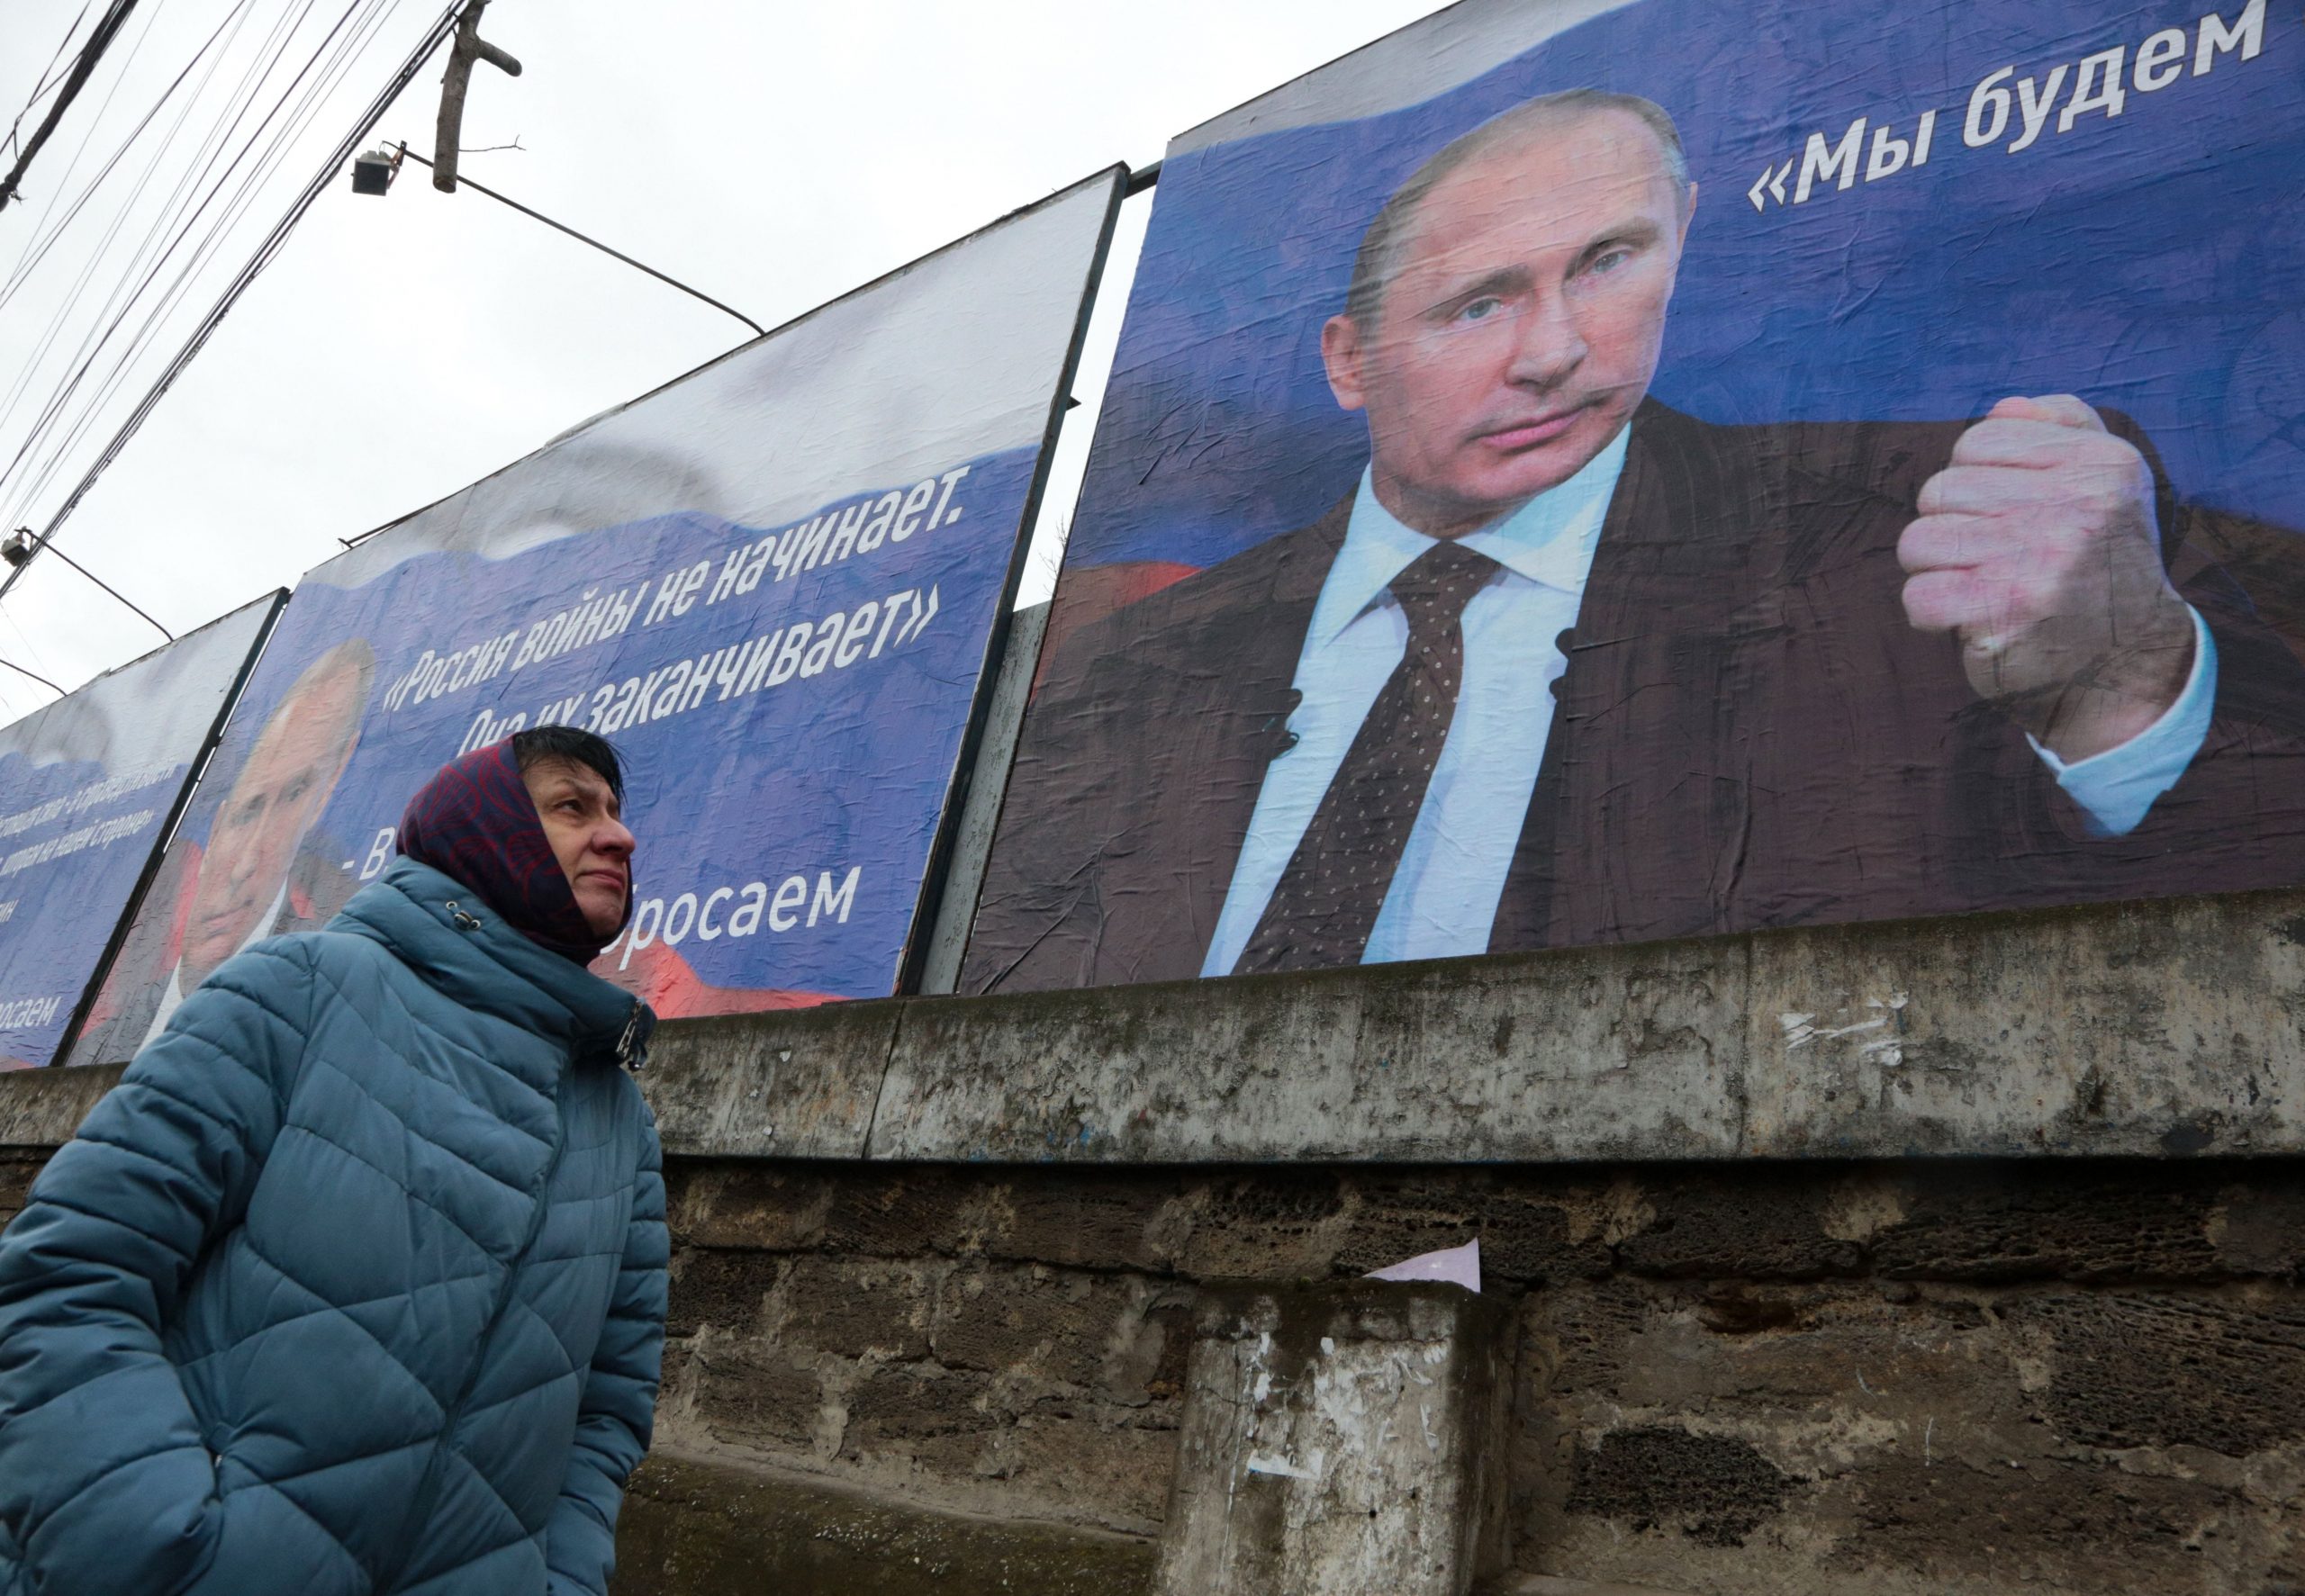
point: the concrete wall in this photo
(1963, 1257)
(2168, 1027)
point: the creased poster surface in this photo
(87, 788)
(772, 584)
(1580, 473)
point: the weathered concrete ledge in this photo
(2172, 1027)
(698, 1527)
(43, 1107)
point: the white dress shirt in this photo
(1444, 895)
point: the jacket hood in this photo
(463, 948)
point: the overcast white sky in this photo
(774, 156)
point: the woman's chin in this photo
(603, 915)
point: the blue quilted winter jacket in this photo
(354, 1285)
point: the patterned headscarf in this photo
(474, 821)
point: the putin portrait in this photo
(1569, 666)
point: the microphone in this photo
(1275, 730)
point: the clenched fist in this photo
(2039, 546)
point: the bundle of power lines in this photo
(119, 238)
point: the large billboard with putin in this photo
(1606, 470)
(88, 786)
(774, 584)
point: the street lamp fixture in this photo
(373, 173)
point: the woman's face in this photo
(581, 818)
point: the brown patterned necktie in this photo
(1326, 902)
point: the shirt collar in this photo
(264, 927)
(1549, 540)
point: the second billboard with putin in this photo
(774, 584)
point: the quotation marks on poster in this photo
(1995, 112)
(802, 649)
(860, 527)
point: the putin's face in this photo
(1520, 324)
(280, 792)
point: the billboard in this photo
(1587, 472)
(88, 786)
(774, 584)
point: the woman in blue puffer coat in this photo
(355, 1285)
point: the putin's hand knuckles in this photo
(2048, 516)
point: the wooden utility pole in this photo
(469, 46)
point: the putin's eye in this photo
(1479, 310)
(1604, 264)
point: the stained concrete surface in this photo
(1342, 1438)
(2162, 1028)
(700, 1526)
(2167, 1028)
(1947, 1377)
(800, 1084)
(40, 1108)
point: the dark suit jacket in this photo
(1748, 733)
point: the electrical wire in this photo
(502, 199)
(27, 649)
(108, 588)
(124, 297)
(47, 233)
(67, 303)
(152, 257)
(72, 301)
(282, 143)
(100, 38)
(63, 310)
(204, 251)
(434, 36)
(48, 78)
(219, 137)
(127, 66)
(272, 152)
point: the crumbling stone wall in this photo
(2078, 1379)
(17, 1167)
(1974, 1377)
